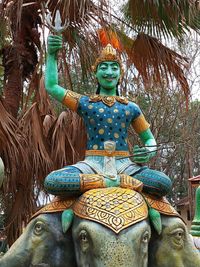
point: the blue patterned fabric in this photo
(107, 123)
(66, 181)
(155, 182)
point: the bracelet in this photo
(129, 182)
(91, 181)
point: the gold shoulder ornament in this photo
(109, 100)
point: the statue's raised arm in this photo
(54, 44)
(65, 96)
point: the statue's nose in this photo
(109, 71)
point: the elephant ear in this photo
(155, 219)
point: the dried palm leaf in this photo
(155, 62)
(48, 123)
(31, 125)
(14, 152)
(67, 139)
(42, 98)
(163, 18)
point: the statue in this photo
(115, 231)
(107, 117)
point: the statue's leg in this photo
(71, 181)
(65, 181)
(155, 182)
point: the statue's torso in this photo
(104, 122)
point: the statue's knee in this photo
(165, 184)
(49, 181)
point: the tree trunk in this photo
(13, 84)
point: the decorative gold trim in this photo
(108, 100)
(91, 181)
(71, 100)
(115, 208)
(56, 205)
(107, 153)
(129, 182)
(140, 124)
(161, 204)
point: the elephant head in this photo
(111, 228)
(174, 247)
(42, 244)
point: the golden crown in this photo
(108, 53)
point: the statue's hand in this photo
(141, 154)
(112, 183)
(54, 43)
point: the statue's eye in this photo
(84, 242)
(39, 228)
(103, 68)
(83, 236)
(146, 237)
(178, 237)
(178, 233)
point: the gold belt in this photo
(106, 153)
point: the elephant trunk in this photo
(16, 256)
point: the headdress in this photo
(108, 53)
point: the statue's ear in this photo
(155, 219)
(66, 220)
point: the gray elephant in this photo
(110, 228)
(42, 244)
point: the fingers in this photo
(112, 183)
(141, 159)
(139, 150)
(55, 37)
(141, 154)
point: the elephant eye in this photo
(38, 228)
(178, 236)
(178, 233)
(83, 239)
(83, 236)
(145, 237)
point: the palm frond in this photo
(163, 18)
(17, 183)
(67, 139)
(156, 63)
(31, 125)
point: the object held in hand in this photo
(162, 146)
(57, 27)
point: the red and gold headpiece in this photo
(109, 53)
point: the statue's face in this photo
(108, 74)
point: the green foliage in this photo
(163, 18)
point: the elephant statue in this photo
(42, 244)
(111, 228)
